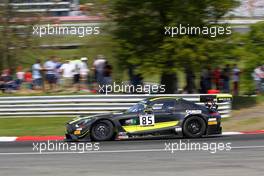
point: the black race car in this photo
(152, 116)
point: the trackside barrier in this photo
(37, 106)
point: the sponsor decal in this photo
(147, 120)
(193, 111)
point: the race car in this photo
(151, 116)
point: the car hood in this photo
(97, 116)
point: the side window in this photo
(163, 106)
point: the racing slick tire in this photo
(194, 127)
(102, 131)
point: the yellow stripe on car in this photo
(136, 128)
(212, 123)
(158, 98)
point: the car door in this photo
(161, 115)
(164, 113)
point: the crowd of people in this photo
(76, 75)
(220, 78)
(54, 75)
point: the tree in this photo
(251, 54)
(143, 45)
(15, 35)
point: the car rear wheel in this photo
(102, 131)
(194, 127)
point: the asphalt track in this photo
(138, 157)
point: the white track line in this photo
(13, 139)
(7, 139)
(248, 147)
(231, 133)
(88, 152)
(118, 151)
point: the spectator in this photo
(226, 78)
(84, 72)
(202, 81)
(50, 68)
(190, 77)
(107, 74)
(258, 76)
(98, 66)
(2, 84)
(37, 75)
(206, 80)
(7, 83)
(77, 75)
(58, 81)
(28, 79)
(216, 77)
(107, 78)
(236, 74)
(66, 71)
(19, 77)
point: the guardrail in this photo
(29, 106)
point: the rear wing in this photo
(211, 101)
(217, 98)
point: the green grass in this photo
(247, 124)
(33, 126)
(260, 98)
(252, 121)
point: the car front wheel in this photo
(102, 131)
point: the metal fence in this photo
(37, 106)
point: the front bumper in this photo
(75, 138)
(74, 134)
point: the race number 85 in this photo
(146, 120)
